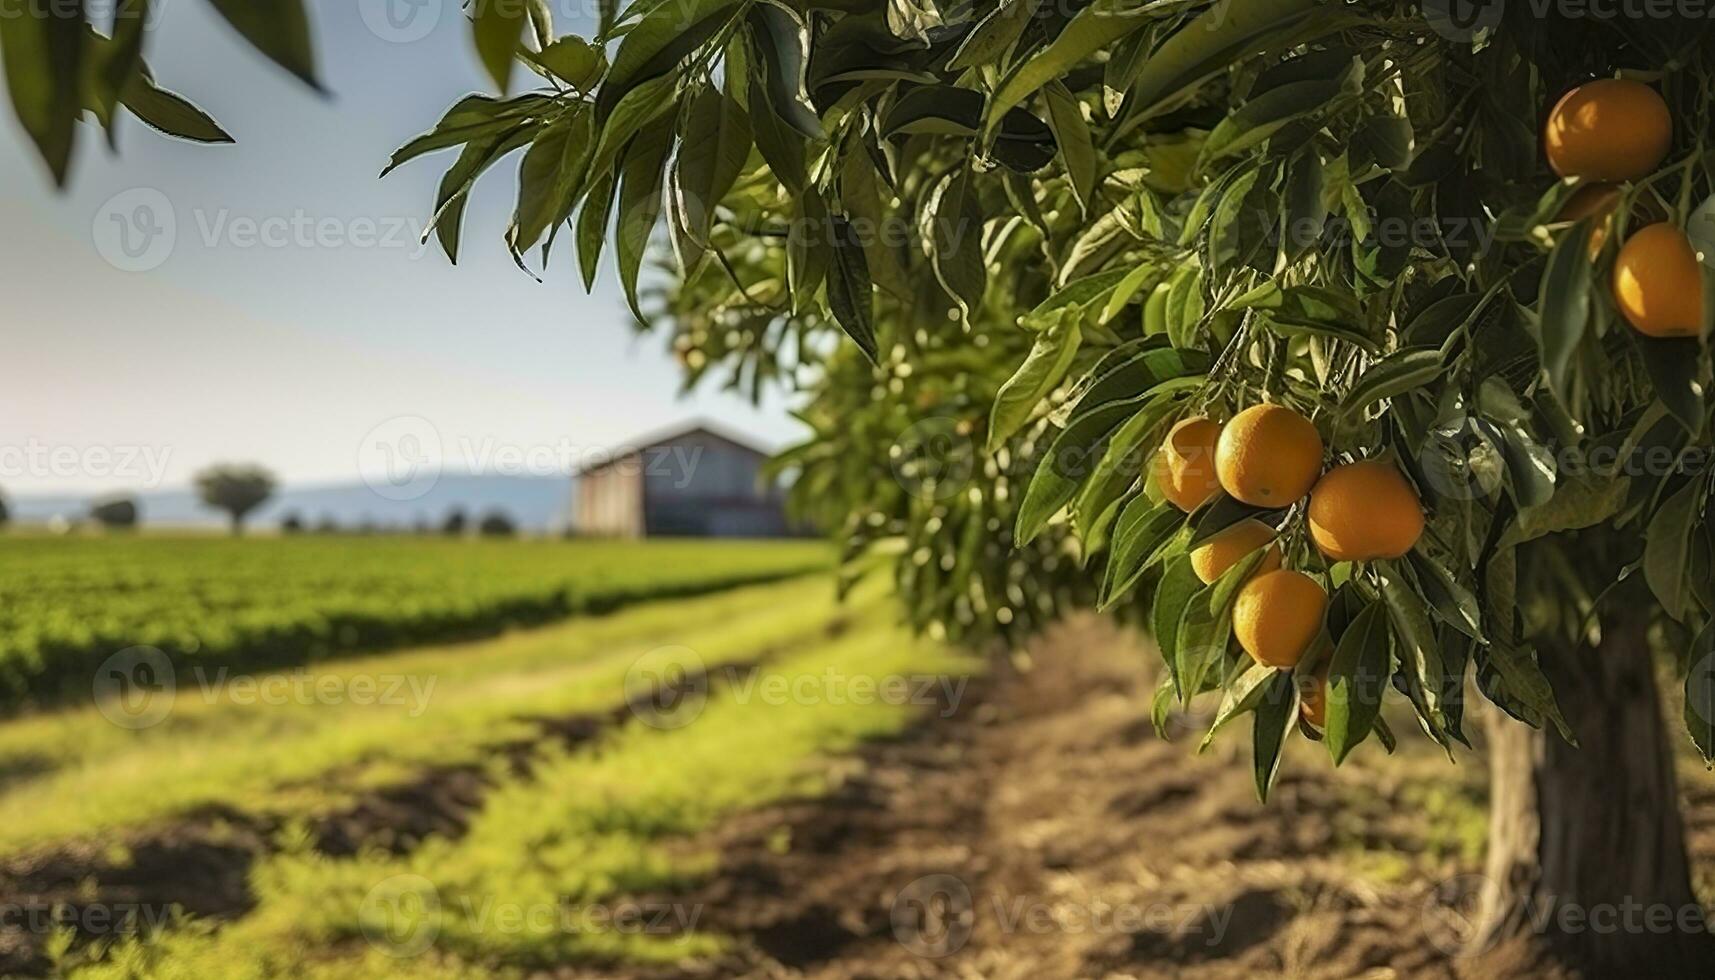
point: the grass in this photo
(550, 850)
(73, 773)
(66, 605)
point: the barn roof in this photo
(631, 448)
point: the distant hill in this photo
(534, 504)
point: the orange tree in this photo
(1345, 344)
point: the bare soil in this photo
(1044, 831)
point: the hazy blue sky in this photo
(291, 354)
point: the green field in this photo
(68, 604)
(577, 826)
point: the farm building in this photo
(691, 483)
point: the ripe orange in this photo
(1211, 559)
(1609, 129)
(1185, 466)
(1658, 283)
(1598, 200)
(1277, 616)
(1313, 701)
(1269, 456)
(1364, 511)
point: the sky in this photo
(332, 339)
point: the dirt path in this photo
(1044, 831)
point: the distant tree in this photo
(236, 489)
(327, 525)
(115, 513)
(497, 524)
(5, 515)
(456, 523)
(292, 523)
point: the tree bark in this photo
(1587, 853)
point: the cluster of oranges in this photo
(1271, 456)
(1609, 132)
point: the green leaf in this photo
(781, 147)
(1397, 373)
(1076, 296)
(1275, 716)
(1092, 29)
(1565, 296)
(712, 153)
(1072, 133)
(1223, 512)
(632, 116)
(666, 34)
(42, 49)
(955, 239)
(1179, 583)
(1512, 679)
(572, 60)
(1142, 528)
(780, 43)
(1390, 140)
(1067, 464)
(1305, 210)
(809, 248)
(1127, 289)
(1420, 649)
(1675, 366)
(1357, 677)
(1213, 41)
(1700, 693)
(497, 30)
(994, 34)
(1667, 548)
(1185, 306)
(1242, 696)
(1268, 113)
(539, 179)
(1530, 465)
(1449, 597)
(110, 63)
(850, 293)
(171, 114)
(471, 118)
(280, 29)
(640, 200)
(1042, 371)
(593, 220)
(473, 161)
(1206, 628)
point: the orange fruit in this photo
(1658, 283)
(1364, 511)
(1268, 456)
(1277, 616)
(1185, 466)
(1313, 702)
(1598, 200)
(1609, 129)
(1226, 548)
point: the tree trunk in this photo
(1586, 846)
